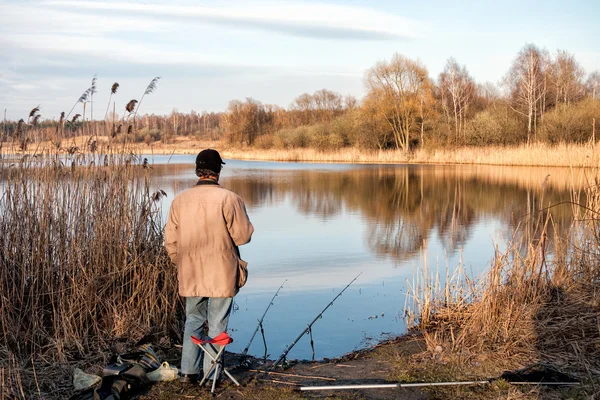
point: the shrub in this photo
(494, 126)
(292, 138)
(265, 141)
(570, 122)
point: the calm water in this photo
(319, 225)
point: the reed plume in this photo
(34, 111)
(84, 96)
(151, 88)
(159, 194)
(129, 129)
(81, 99)
(113, 90)
(75, 118)
(130, 106)
(36, 119)
(92, 92)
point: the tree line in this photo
(544, 97)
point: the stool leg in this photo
(211, 367)
(230, 376)
(214, 365)
(215, 378)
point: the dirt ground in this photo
(402, 360)
(259, 382)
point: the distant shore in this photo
(539, 154)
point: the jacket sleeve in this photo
(171, 232)
(238, 224)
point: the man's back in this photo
(206, 224)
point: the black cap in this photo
(209, 159)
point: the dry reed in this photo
(540, 154)
(81, 264)
(562, 155)
(536, 302)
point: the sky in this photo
(210, 52)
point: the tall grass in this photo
(81, 264)
(563, 155)
(540, 154)
(535, 302)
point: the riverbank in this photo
(406, 359)
(539, 154)
(402, 360)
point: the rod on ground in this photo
(307, 329)
(407, 385)
(259, 326)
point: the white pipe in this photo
(406, 385)
(390, 386)
(345, 387)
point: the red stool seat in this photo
(222, 339)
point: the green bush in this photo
(493, 127)
(571, 122)
(292, 138)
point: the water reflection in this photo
(400, 206)
(319, 225)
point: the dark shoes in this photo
(189, 378)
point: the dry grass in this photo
(564, 155)
(533, 304)
(540, 154)
(81, 264)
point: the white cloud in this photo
(236, 48)
(108, 49)
(24, 87)
(299, 19)
(23, 18)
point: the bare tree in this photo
(525, 82)
(328, 104)
(593, 85)
(323, 105)
(566, 77)
(398, 86)
(245, 121)
(305, 106)
(350, 102)
(457, 91)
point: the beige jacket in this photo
(205, 225)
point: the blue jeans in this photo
(198, 310)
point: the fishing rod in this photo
(259, 326)
(307, 329)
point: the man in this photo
(206, 225)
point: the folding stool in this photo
(222, 339)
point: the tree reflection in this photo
(402, 206)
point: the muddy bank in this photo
(404, 359)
